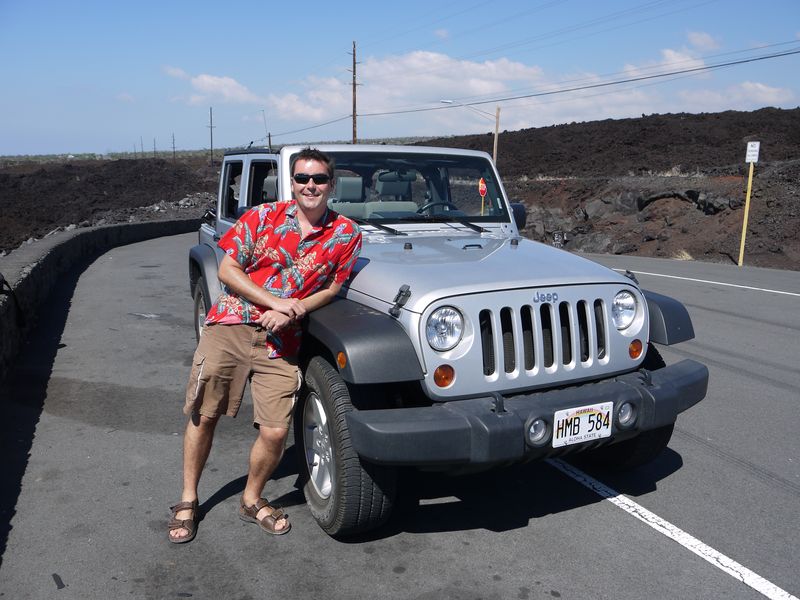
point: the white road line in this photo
(722, 562)
(736, 285)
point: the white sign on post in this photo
(752, 152)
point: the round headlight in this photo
(444, 328)
(624, 310)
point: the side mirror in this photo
(209, 217)
(520, 214)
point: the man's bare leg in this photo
(265, 455)
(197, 441)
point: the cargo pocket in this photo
(196, 385)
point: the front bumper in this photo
(491, 430)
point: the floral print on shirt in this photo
(267, 242)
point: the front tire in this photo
(344, 494)
(201, 307)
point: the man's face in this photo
(311, 196)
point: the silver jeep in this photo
(457, 344)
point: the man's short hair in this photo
(314, 154)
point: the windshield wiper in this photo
(378, 225)
(445, 219)
(473, 226)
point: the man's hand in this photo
(273, 320)
(291, 307)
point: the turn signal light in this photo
(341, 360)
(635, 349)
(444, 375)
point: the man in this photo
(282, 260)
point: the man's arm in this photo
(232, 274)
(322, 296)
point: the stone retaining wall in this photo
(31, 271)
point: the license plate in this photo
(582, 424)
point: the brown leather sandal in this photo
(189, 525)
(248, 513)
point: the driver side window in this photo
(231, 186)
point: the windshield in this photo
(408, 187)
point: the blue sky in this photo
(110, 77)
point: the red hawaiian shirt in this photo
(267, 242)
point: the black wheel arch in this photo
(203, 263)
(670, 322)
(376, 347)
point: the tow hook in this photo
(498, 404)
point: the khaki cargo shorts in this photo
(227, 357)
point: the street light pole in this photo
(483, 113)
(496, 132)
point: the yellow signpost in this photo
(752, 158)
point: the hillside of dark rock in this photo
(669, 185)
(661, 185)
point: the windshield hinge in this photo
(403, 294)
(631, 276)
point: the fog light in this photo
(635, 349)
(627, 414)
(537, 431)
(444, 375)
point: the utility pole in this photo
(266, 132)
(211, 130)
(154, 147)
(141, 145)
(173, 146)
(355, 132)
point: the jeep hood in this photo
(435, 267)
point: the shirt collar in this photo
(326, 221)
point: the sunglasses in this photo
(304, 178)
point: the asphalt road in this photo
(91, 442)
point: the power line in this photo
(552, 92)
(655, 4)
(558, 33)
(643, 69)
(590, 86)
(313, 126)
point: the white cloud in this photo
(427, 77)
(702, 41)
(125, 97)
(175, 72)
(291, 107)
(442, 34)
(421, 79)
(671, 60)
(213, 88)
(224, 89)
(410, 80)
(762, 94)
(743, 96)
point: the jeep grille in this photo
(532, 338)
(551, 334)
